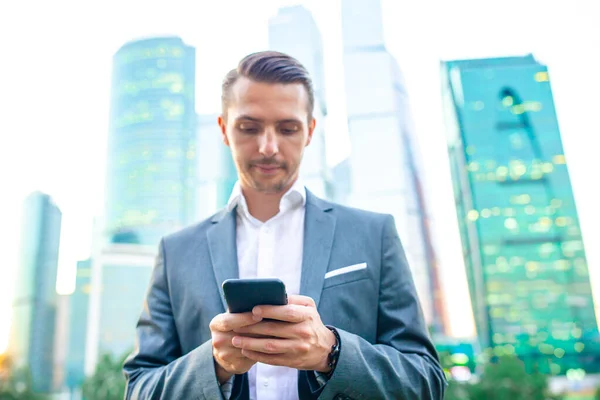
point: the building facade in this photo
(526, 265)
(293, 31)
(119, 282)
(385, 172)
(152, 151)
(31, 342)
(216, 171)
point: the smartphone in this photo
(242, 295)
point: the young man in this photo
(353, 328)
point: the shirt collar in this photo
(294, 197)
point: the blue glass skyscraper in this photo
(524, 255)
(151, 170)
(34, 305)
(78, 314)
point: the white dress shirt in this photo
(272, 249)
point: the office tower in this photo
(78, 320)
(339, 187)
(216, 171)
(385, 169)
(151, 152)
(120, 278)
(524, 256)
(31, 342)
(61, 342)
(293, 31)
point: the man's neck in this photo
(264, 206)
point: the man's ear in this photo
(223, 126)
(311, 129)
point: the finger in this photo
(300, 300)
(267, 346)
(227, 322)
(276, 329)
(290, 313)
(271, 359)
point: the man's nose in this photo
(268, 143)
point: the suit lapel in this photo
(319, 227)
(223, 249)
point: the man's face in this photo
(267, 127)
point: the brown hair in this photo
(269, 67)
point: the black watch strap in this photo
(334, 355)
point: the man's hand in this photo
(296, 339)
(228, 359)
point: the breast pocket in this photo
(344, 275)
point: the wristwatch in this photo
(334, 355)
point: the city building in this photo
(151, 165)
(523, 251)
(31, 342)
(384, 164)
(120, 277)
(79, 302)
(293, 31)
(216, 171)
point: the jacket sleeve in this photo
(403, 364)
(157, 369)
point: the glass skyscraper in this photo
(35, 299)
(523, 251)
(120, 278)
(293, 31)
(384, 165)
(152, 152)
(78, 313)
(216, 171)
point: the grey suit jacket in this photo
(385, 353)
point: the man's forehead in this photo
(245, 89)
(261, 100)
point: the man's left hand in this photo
(295, 337)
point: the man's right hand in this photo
(229, 360)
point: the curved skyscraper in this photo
(151, 151)
(525, 260)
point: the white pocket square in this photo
(345, 270)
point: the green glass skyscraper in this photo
(33, 323)
(151, 173)
(522, 245)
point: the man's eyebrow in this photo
(248, 118)
(289, 120)
(245, 117)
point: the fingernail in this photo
(236, 341)
(257, 318)
(257, 311)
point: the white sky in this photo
(55, 66)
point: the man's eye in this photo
(288, 130)
(247, 128)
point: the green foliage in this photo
(15, 384)
(505, 379)
(108, 382)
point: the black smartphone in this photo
(242, 295)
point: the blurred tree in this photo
(108, 382)
(597, 396)
(15, 384)
(505, 379)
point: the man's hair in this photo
(269, 67)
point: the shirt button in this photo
(266, 383)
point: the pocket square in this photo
(345, 270)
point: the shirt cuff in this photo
(322, 378)
(227, 388)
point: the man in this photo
(353, 328)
